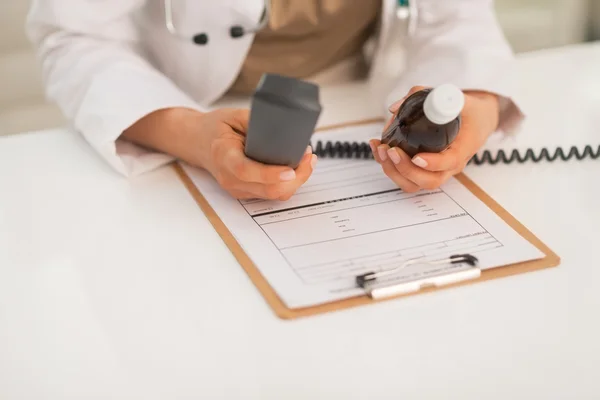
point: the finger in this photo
(464, 147)
(402, 182)
(382, 155)
(303, 173)
(261, 191)
(280, 190)
(241, 195)
(447, 160)
(389, 169)
(420, 177)
(285, 197)
(239, 120)
(235, 162)
(305, 168)
(395, 106)
(374, 143)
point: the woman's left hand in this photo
(430, 170)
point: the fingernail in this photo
(313, 161)
(394, 156)
(419, 162)
(308, 150)
(288, 175)
(395, 106)
(382, 153)
(373, 150)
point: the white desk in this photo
(116, 289)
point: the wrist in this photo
(174, 131)
(190, 140)
(488, 104)
(491, 99)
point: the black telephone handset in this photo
(283, 117)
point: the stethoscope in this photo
(237, 31)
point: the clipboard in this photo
(549, 260)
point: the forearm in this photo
(95, 70)
(174, 131)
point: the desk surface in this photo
(121, 289)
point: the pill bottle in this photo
(427, 121)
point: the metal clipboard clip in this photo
(369, 281)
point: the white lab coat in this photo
(109, 63)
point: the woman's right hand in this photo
(215, 141)
(242, 177)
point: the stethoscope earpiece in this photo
(201, 38)
(236, 31)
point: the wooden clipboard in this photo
(281, 310)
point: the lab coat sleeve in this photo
(95, 71)
(461, 42)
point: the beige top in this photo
(305, 38)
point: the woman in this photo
(137, 84)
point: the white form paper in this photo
(349, 219)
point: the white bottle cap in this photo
(443, 104)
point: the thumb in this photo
(239, 120)
(395, 106)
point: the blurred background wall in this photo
(540, 24)
(528, 24)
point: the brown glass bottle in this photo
(427, 121)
